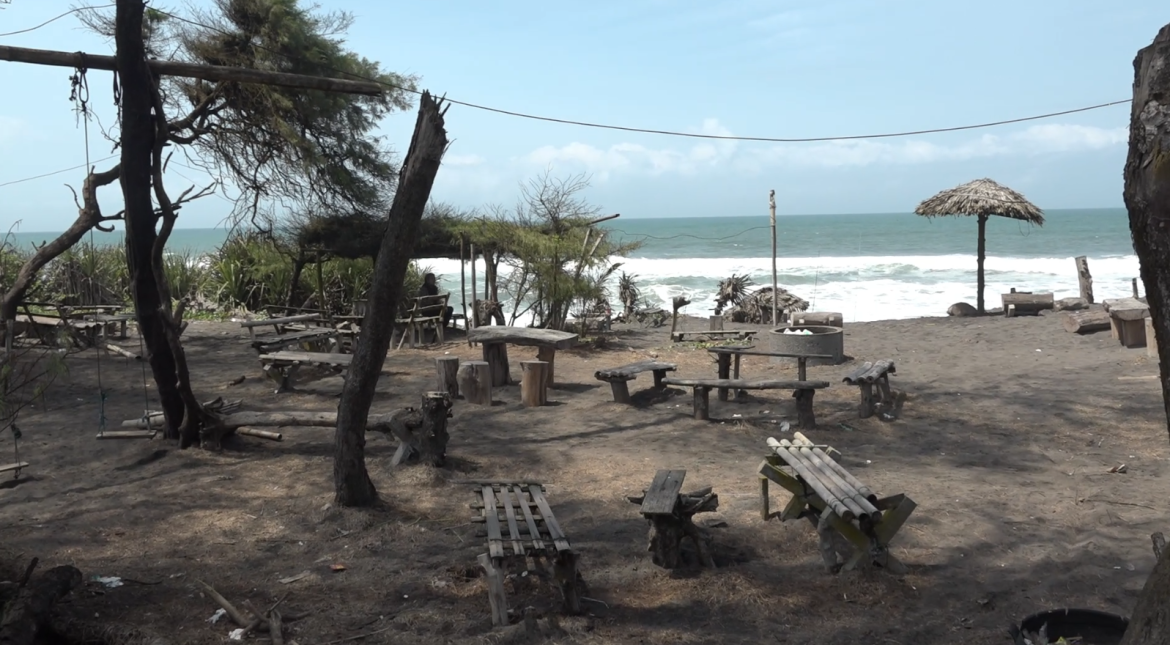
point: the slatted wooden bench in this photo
(803, 392)
(833, 500)
(532, 532)
(865, 377)
(317, 339)
(618, 376)
(282, 366)
(670, 514)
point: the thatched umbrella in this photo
(981, 198)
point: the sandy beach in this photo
(1005, 441)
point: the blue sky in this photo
(745, 68)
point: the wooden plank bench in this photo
(532, 532)
(670, 514)
(803, 392)
(282, 324)
(618, 376)
(867, 375)
(833, 500)
(319, 339)
(726, 356)
(282, 366)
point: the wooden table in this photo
(725, 355)
(495, 340)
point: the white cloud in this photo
(635, 158)
(462, 160)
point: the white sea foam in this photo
(862, 288)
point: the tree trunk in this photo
(352, 484)
(982, 254)
(22, 618)
(89, 215)
(137, 143)
(1147, 197)
(298, 267)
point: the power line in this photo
(55, 19)
(672, 133)
(55, 172)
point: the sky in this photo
(749, 68)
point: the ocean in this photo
(868, 267)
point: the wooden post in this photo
(1151, 340)
(533, 383)
(772, 211)
(474, 298)
(723, 371)
(548, 355)
(448, 373)
(982, 253)
(806, 419)
(716, 323)
(463, 277)
(475, 382)
(496, 355)
(1135, 289)
(702, 403)
(621, 390)
(1084, 279)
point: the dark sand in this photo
(1005, 441)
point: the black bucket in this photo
(1094, 627)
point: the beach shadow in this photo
(575, 388)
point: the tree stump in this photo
(422, 433)
(548, 355)
(533, 383)
(805, 417)
(447, 368)
(496, 355)
(27, 613)
(667, 531)
(475, 382)
(702, 402)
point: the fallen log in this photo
(1026, 304)
(29, 611)
(110, 347)
(1070, 304)
(1085, 322)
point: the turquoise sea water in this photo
(869, 267)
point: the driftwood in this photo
(25, 615)
(1085, 322)
(678, 303)
(110, 347)
(422, 433)
(1084, 278)
(1070, 304)
(1026, 304)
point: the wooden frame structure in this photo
(833, 500)
(533, 532)
(865, 377)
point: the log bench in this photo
(727, 360)
(803, 392)
(617, 377)
(865, 377)
(532, 532)
(496, 338)
(319, 339)
(282, 366)
(670, 514)
(837, 504)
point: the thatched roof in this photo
(981, 197)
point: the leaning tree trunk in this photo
(1147, 197)
(982, 255)
(137, 142)
(352, 484)
(89, 215)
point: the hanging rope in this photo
(79, 95)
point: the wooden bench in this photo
(803, 393)
(422, 312)
(867, 375)
(724, 362)
(670, 514)
(717, 334)
(284, 323)
(1127, 320)
(496, 338)
(282, 366)
(833, 500)
(109, 321)
(319, 339)
(532, 532)
(618, 376)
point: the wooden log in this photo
(805, 417)
(1027, 304)
(830, 475)
(110, 347)
(533, 383)
(475, 382)
(447, 368)
(829, 318)
(716, 323)
(1085, 322)
(496, 356)
(24, 616)
(1084, 279)
(262, 434)
(548, 355)
(702, 402)
(1070, 304)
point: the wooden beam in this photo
(189, 70)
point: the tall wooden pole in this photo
(775, 290)
(463, 276)
(474, 309)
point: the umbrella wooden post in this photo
(982, 254)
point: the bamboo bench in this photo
(834, 500)
(803, 392)
(282, 366)
(533, 532)
(865, 377)
(670, 514)
(618, 376)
